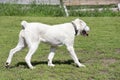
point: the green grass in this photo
(100, 51)
(30, 10)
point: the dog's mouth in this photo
(84, 33)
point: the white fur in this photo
(34, 33)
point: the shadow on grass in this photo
(34, 63)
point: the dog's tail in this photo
(24, 24)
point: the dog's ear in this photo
(77, 20)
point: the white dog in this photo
(34, 33)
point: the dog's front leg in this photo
(74, 56)
(51, 56)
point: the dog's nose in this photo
(87, 34)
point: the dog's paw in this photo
(51, 65)
(32, 67)
(81, 65)
(7, 65)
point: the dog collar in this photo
(75, 28)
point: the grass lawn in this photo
(100, 51)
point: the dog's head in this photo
(82, 27)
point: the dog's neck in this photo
(75, 28)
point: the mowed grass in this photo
(100, 51)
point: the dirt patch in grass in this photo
(91, 62)
(117, 50)
(104, 71)
(108, 61)
(99, 52)
(81, 51)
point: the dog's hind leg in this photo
(31, 51)
(51, 56)
(21, 44)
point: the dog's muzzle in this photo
(84, 33)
